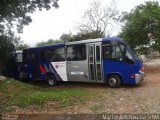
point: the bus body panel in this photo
(60, 69)
(46, 69)
(77, 62)
(77, 70)
(38, 68)
(126, 71)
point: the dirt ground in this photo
(143, 98)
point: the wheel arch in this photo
(51, 77)
(114, 73)
(49, 74)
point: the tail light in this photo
(132, 76)
(142, 69)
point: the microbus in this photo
(104, 60)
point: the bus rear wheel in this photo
(114, 81)
(51, 81)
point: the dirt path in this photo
(153, 62)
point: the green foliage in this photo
(81, 36)
(16, 14)
(16, 93)
(21, 45)
(67, 37)
(141, 26)
(6, 47)
(49, 42)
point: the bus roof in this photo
(96, 40)
(115, 39)
(46, 47)
(85, 41)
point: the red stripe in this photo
(42, 70)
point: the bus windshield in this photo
(117, 53)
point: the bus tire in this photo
(114, 81)
(51, 81)
(21, 76)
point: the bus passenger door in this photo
(95, 62)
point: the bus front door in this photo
(95, 62)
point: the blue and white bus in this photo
(104, 60)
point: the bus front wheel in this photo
(51, 81)
(114, 81)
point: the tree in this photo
(141, 27)
(49, 42)
(17, 12)
(97, 22)
(67, 37)
(80, 36)
(22, 46)
(6, 47)
(99, 18)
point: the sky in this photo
(53, 23)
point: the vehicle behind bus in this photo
(14, 65)
(104, 60)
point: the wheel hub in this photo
(113, 81)
(51, 82)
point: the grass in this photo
(16, 93)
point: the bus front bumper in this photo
(139, 77)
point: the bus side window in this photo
(116, 53)
(33, 58)
(24, 57)
(57, 54)
(76, 52)
(112, 53)
(44, 55)
(27, 57)
(127, 57)
(106, 52)
(19, 57)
